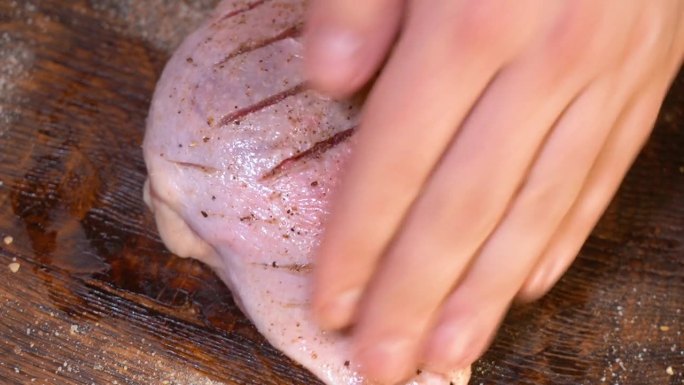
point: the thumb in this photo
(346, 41)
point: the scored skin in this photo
(222, 187)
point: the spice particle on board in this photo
(664, 328)
(14, 267)
(8, 240)
(669, 371)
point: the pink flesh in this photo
(242, 159)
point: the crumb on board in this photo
(8, 240)
(664, 328)
(669, 371)
(14, 267)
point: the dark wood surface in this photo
(98, 300)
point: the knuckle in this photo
(460, 304)
(576, 37)
(548, 196)
(480, 26)
(471, 296)
(471, 25)
(648, 37)
(474, 214)
(489, 26)
(566, 47)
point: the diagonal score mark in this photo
(194, 166)
(250, 46)
(244, 9)
(269, 101)
(318, 149)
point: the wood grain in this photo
(97, 298)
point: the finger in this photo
(458, 209)
(347, 40)
(511, 251)
(521, 237)
(450, 222)
(619, 153)
(424, 93)
(631, 132)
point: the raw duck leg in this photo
(242, 158)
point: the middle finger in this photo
(458, 208)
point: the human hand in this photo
(491, 143)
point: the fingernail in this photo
(333, 55)
(337, 313)
(341, 44)
(388, 361)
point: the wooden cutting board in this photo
(89, 295)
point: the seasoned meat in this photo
(242, 158)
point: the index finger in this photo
(448, 54)
(347, 41)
